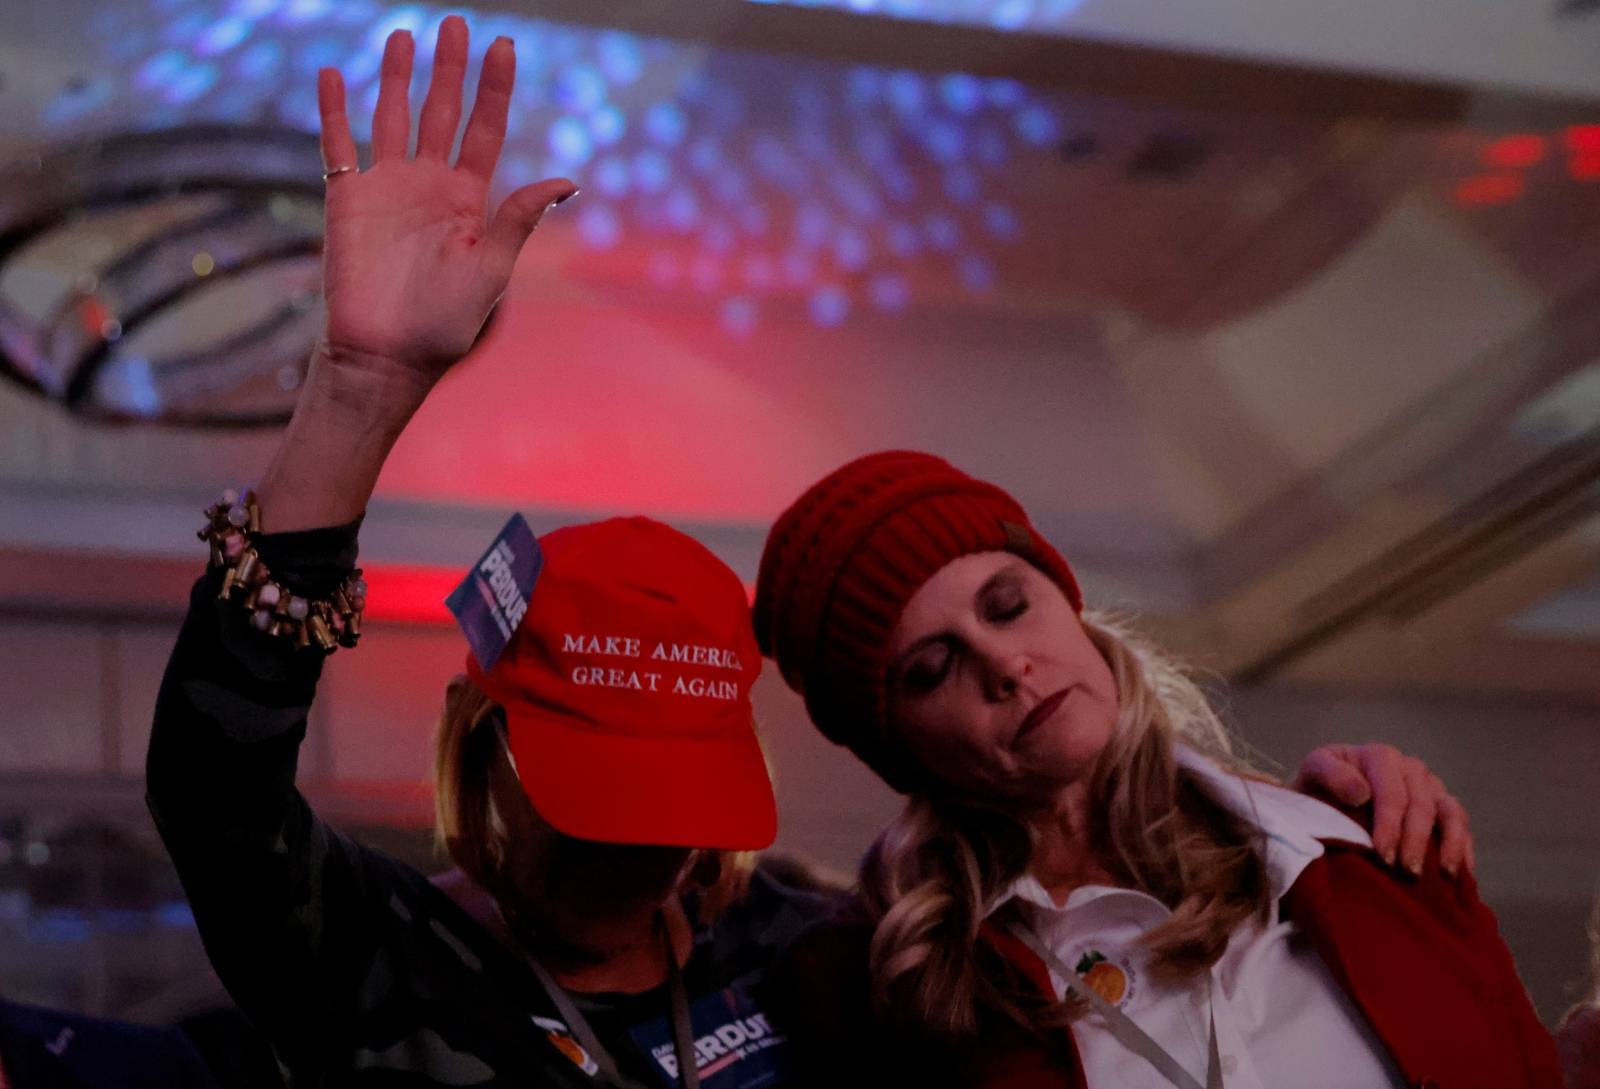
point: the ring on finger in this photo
(336, 171)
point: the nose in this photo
(1005, 669)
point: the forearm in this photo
(327, 463)
(233, 701)
(279, 898)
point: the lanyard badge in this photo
(1123, 1027)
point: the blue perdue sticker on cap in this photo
(491, 600)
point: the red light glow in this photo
(410, 595)
(1489, 189)
(1583, 139)
(1584, 165)
(1514, 152)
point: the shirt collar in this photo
(1292, 828)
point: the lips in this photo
(1041, 712)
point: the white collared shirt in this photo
(1281, 1019)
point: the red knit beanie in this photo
(840, 565)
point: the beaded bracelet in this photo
(330, 622)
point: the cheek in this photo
(956, 744)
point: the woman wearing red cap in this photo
(600, 785)
(1086, 887)
(599, 782)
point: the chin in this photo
(1067, 755)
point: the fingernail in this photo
(1388, 857)
(504, 38)
(567, 197)
(1415, 867)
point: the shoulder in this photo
(783, 901)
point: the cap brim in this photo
(642, 790)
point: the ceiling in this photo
(1289, 346)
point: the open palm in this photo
(413, 264)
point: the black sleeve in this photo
(279, 897)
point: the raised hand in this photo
(413, 264)
(412, 267)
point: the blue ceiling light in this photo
(222, 36)
(961, 93)
(829, 306)
(903, 240)
(621, 59)
(898, 183)
(324, 51)
(1038, 126)
(1004, 93)
(186, 28)
(682, 209)
(1011, 14)
(190, 84)
(705, 156)
(607, 125)
(408, 17)
(850, 250)
(581, 88)
(889, 292)
(989, 147)
(873, 144)
(304, 11)
(569, 141)
(905, 93)
(754, 220)
(977, 274)
(599, 227)
(739, 314)
(161, 69)
(259, 63)
(856, 194)
(732, 185)
(253, 9)
(864, 86)
(812, 225)
(944, 140)
(79, 101)
(866, 170)
(666, 124)
(1001, 222)
(961, 185)
(651, 170)
(941, 232)
(610, 177)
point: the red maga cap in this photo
(626, 691)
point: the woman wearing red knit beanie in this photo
(1086, 888)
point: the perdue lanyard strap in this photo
(1123, 1027)
(583, 1032)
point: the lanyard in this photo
(583, 1032)
(1124, 1028)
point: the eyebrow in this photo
(900, 659)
